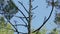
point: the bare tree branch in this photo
(23, 15)
(20, 25)
(24, 7)
(45, 21)
(34, 8)
(37, 32)
(23, 20)
(13, 26)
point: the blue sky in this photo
(39, 12)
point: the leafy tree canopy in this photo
(5, 28)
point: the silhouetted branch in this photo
(37, 32)
(13, 26)
(34, 8)
(23, 15)
(45, 20)
(20, 25)
(24, 7)
(23, 20)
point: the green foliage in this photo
(5, 28)
(8, 8)
(2, 22)
(54, 31)
(43, 31)
(57, 18)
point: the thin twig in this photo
(13, 26)
(24, 7)
(34, 8)
(20, 25)
(22, 19)
(23, 15)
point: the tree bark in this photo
(29, 22)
